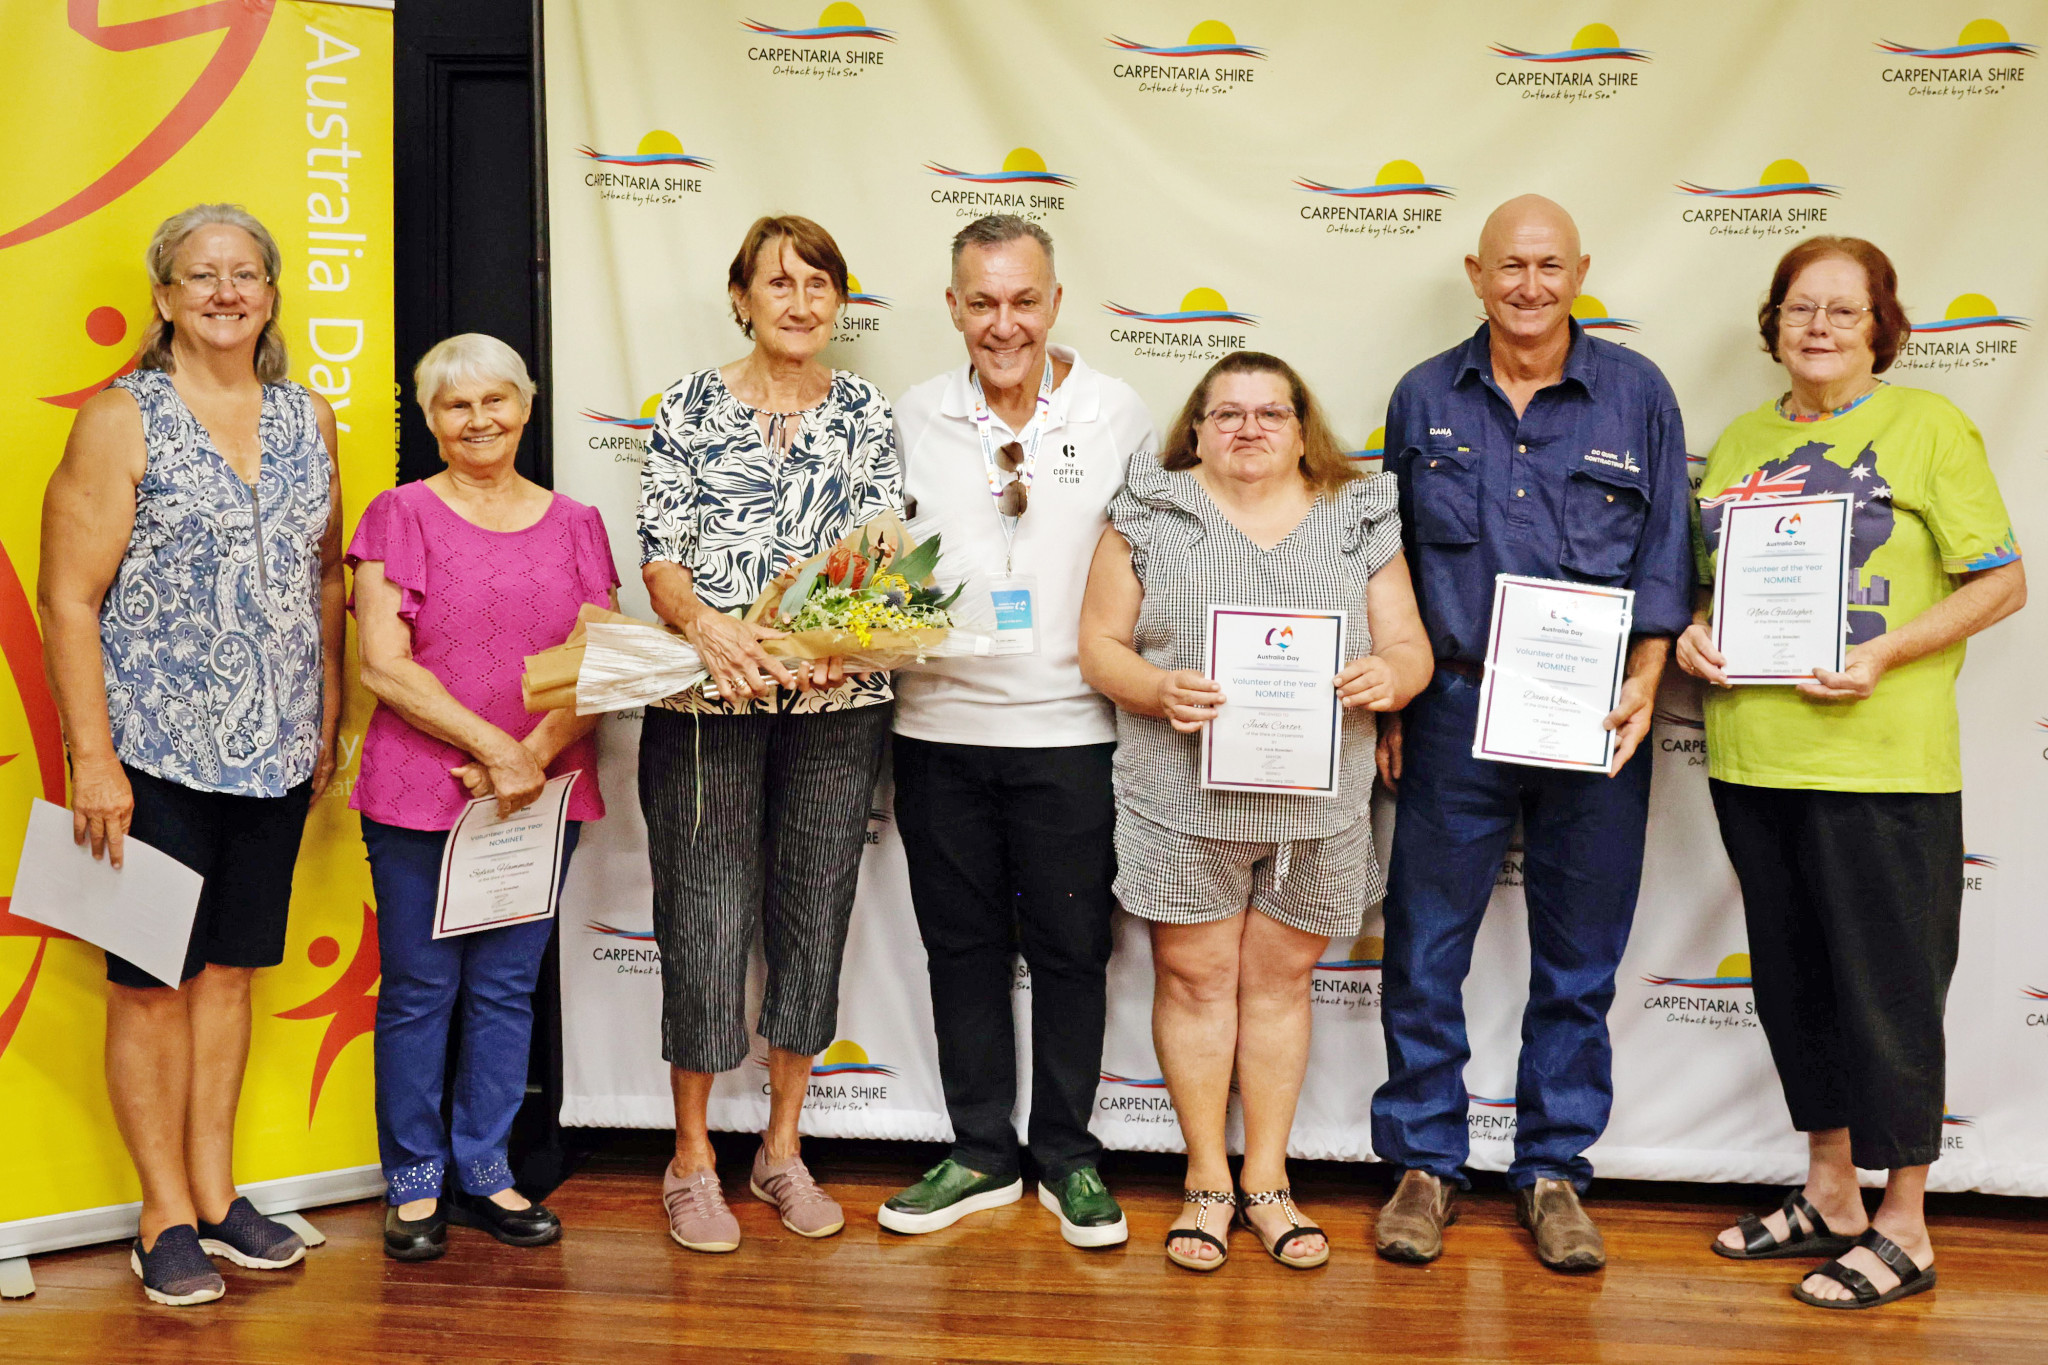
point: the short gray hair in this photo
(996, 229)
(272, 362)
(471, 356)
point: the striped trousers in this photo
(777, 842)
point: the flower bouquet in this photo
(870, 599)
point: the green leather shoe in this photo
(948, 1193)
(1088, 1214)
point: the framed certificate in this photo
(1781, 588)
(1280, 725)
(1554, 661)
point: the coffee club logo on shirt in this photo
(1983, 60)
(1777, 205)
(1385, 208)
(1189, 332)
(1020, 186)
(625, 438)
(838, 45)
(657, 171)
(1718, 1001)
(1592, 315)
(1352, 981)
(1594, 67)
(1211, 62)
(1972, 334)
(1137, 1099)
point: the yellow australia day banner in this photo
(118, 114)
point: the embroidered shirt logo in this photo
(1440, 431)
(1626, 461)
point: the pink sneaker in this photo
(697, 1216)
(806, 1210)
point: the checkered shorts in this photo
(1319, 886)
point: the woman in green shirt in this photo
(1840, 798)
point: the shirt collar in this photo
(1077, 399)
(1580, 364)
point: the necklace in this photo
(1854, 403)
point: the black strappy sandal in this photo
(1277, 1248)
(1203, 1200)
(1913, 1279)
(1814, 1238)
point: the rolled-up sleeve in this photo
(668, 491)
(1663, 572)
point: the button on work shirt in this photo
(1587, 485)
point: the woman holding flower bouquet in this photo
(1255, 504)
(756, 787)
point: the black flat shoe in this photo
(533, 1226)
(415, 1239)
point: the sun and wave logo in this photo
(613, 931)
(1134, 1082)
(1984, 860)
(846, 1058)
(643, 424)
(1198, 306)
(836, 23)
(1664, 715)
(1979, 38)
(854, 295)
(1782, 177)
(1210, 38)
(1375, 449)
(1949, 1120)
(1593, 43)
(1366, 956)
(1732, 973)
(1394, 179)
(1022, 166)
(1967, 312)
(658, 148)
(1592, 315)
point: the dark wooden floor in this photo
(1002, 1287)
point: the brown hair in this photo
(1322, 459)
(272, 363)
(1889, 327)
(813, 245)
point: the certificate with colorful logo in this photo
(499, 870)
(1781, 588)
(1554, 661)
(1280, 725)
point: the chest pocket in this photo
(1446, 495)
(1603, 516)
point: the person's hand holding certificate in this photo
(499, 870)
(1781, 588)
(1279, 726)
(1554, 664)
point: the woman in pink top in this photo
(457, 579)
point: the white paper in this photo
(142, 912)
(1781, 588)
(1281, 726)
(497, 872)
(1554, 664)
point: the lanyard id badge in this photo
(1015, 596)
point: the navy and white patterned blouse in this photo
(210, 634)
(717, 500)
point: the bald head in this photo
(1528, 270)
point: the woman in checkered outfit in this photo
(1252, 503)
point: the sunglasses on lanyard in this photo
(1015, 497)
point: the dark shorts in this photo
(244, 846)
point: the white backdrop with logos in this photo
(1305, 179)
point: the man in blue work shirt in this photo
(1531, 448)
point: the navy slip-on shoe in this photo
(250, 1240)
(175, 1272)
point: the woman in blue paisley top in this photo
(191, 598)
(757, 804)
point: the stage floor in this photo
(1001, 1286)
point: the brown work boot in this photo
(1411, 1225)
(1565, 1237)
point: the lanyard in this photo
(1027, 470)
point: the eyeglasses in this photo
(1231, 419)
(1015, 497)
(205, 283)
(1840, 315)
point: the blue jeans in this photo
(492, 974)
(1582, 865)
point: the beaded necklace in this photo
(1849, 406)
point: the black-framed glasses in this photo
(1273, 417)
(1840, 315)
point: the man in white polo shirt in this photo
(1003, 765)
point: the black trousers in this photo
(1009, 850)
(1854, 902)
